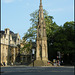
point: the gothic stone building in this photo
(9, 46)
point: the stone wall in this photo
(9, 46)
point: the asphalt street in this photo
(37, 70)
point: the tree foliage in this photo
(64, 38)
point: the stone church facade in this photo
(9, 46)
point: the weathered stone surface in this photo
(40, 63)
(41, 52)
(9, 49)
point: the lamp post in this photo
(33, 52)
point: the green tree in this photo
(26, 49)
(64, 38)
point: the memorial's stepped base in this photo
(40, 63)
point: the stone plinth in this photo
(40, 63)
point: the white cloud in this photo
(56, 10)
(8, 1)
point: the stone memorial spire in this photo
(41, 52)
(41, 41)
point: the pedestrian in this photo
(4, 63)
(48, 61)
(54, 62)
(59, 63)
(1, 64)
(21, 62)
(62, 62)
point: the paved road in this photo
(37, 71)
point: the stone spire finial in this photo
(40, 2)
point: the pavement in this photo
(34, 66)
(45, 70)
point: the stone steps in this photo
(40, 63)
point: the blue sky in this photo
(16, 13)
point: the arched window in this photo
(40, 51)
(45, 49)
